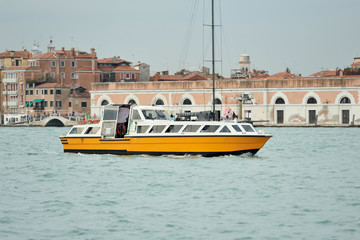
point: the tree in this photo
(181, 72)
(288, 70)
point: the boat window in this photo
(191, 128)
(225, 129)
(248, 128)
(174, 128)
(156, 115)
(92, 130)
(142, 129)
(76, 130)
(237, 128)
(136, 115)
(110, 114)
(157, 129)
(210, 128)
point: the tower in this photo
(51, 47)
(244, 63)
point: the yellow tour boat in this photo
(131, 129)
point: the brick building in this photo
(10, 59)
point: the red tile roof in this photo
(283, 75)
(105, 68)
(15, 54)
(113, 60)
(194, 77)
(325, 73)
(124, 68)
(64, 54)
(50, 85)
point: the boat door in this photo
(108, 128)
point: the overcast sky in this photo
(305, 35)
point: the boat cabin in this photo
(119, 120)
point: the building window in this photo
(58, 104)
(187, 102)
(62, 75)
(159, 102)
(45, 92)
(45, 103)
(69, 104)
(37, 92)
(31, 92)
(132, 102)
(104, 103)
(73, 75)
(62, 64)
(27, 92)
(279, 101)
(51, 103)
(311, 101)
(51, 92)
(217, 101)
(53, 64)
(73, 64)
(58, 92)
(83, 104)
(345, 100)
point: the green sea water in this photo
(304, 184)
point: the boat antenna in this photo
(213, 55)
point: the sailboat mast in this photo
(213, 55)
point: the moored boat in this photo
(130, 129)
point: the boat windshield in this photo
(156, 115)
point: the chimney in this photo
(63, 49)
(73, 52)
(165, 72)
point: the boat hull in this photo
(174, 145)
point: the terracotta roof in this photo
(170, 77)
(15, 54)
(210, 76)
(325, 73)
(283, 75)
(49, 85)
(260, 76)
(194, 77)
(105, 68)
(64, 54)
(125, 68)
(50, 55)
(113, 60)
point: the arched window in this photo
(217, 101)
(279, 101)
(187, 102)
(345, 100)
(159, 102)
(104, 103)
(132, 102)
(311, 101)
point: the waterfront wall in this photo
(294, 102)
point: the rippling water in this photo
(304, 184)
